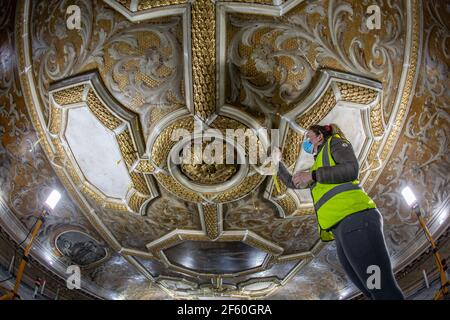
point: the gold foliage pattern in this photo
(376, 120)
(288, 204)
(242, 189)
(203, 57)
(292, 150)
(150, 4)
(100, 111)
(127, 149)
(318, 111)
(164, 141)
(69, 95)
(356, 94)
(136, 201)
(174, 187)
(211, 221)
(139, 183)
(55, 120)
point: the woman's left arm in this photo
(285, 176)
(346, 168)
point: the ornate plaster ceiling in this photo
(97, 107)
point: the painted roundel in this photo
(80, 249)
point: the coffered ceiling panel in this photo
(96, 152)
(215, 257)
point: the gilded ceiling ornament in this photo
(65, 107)
(265, 65)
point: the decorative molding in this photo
(87, 90)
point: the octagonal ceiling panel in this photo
(97, 153)
(215, 257)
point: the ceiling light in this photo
(409, 196)
(53, 199)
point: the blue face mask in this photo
(308, 146)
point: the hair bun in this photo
(327, 127)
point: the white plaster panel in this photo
(97, 153)
(350, 122)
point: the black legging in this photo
(360, 244)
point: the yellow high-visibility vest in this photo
(335, 201)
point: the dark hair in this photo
(327, 130)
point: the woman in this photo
(345, 213)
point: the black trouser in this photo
(360, 244)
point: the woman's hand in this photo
(302, 178)
(270, 165)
